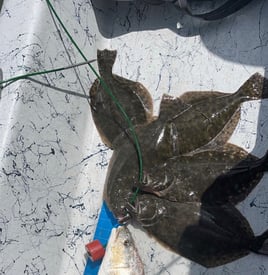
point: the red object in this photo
(95, 250)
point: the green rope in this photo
(135, 195)
(24, 76)
(109, 92)
(104, 85)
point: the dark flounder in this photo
(193, 178)
(222, 175)
(132, 96)
(209, 235)
(207, 113)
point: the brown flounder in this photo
(131, 96)
(210, 235)
(221, 175)
(207, 113)
(190, 131)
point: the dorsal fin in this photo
(171, 106)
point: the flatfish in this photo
(222, 175)
(207, 113)
(192, 177)
(111, 94)
(210, 235)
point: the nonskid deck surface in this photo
(54, 164)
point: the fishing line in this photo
(68, 54)
(109, 92)
(24, 76)
(104, 85)
(58, 89)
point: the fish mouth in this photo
(124, 219)
(129, 212)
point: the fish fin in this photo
(137, 94)
(171, 106)
(234, 185)
(105, 123)
(221, 140)
(227, 131)
(260, 244)
(195, 97)
(256, 87)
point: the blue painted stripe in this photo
(104, 227)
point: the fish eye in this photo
(126, 243)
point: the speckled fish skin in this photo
(209, 235)
(132, 96)
(204, 112)
(223, 175)
(123, 170)
(208, 113)
(199, 208)
(214, 176)
(121, 255)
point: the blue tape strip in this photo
(104, 227)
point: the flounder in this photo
(217, 176)
(111, 94)
(210, 235)
(192, 177)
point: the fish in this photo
(128, 95)
(121, 256)
(208, 112)
(160, 141)
(216, 176)
(210, 235)
(192, 178)
(204, 112)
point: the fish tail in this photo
(260, 244)
(256, 87)
(106, 60)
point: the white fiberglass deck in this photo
(53, 163)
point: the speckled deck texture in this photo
(53, 164)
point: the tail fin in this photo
(256, 87)
(106, 60)
(260, 244)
